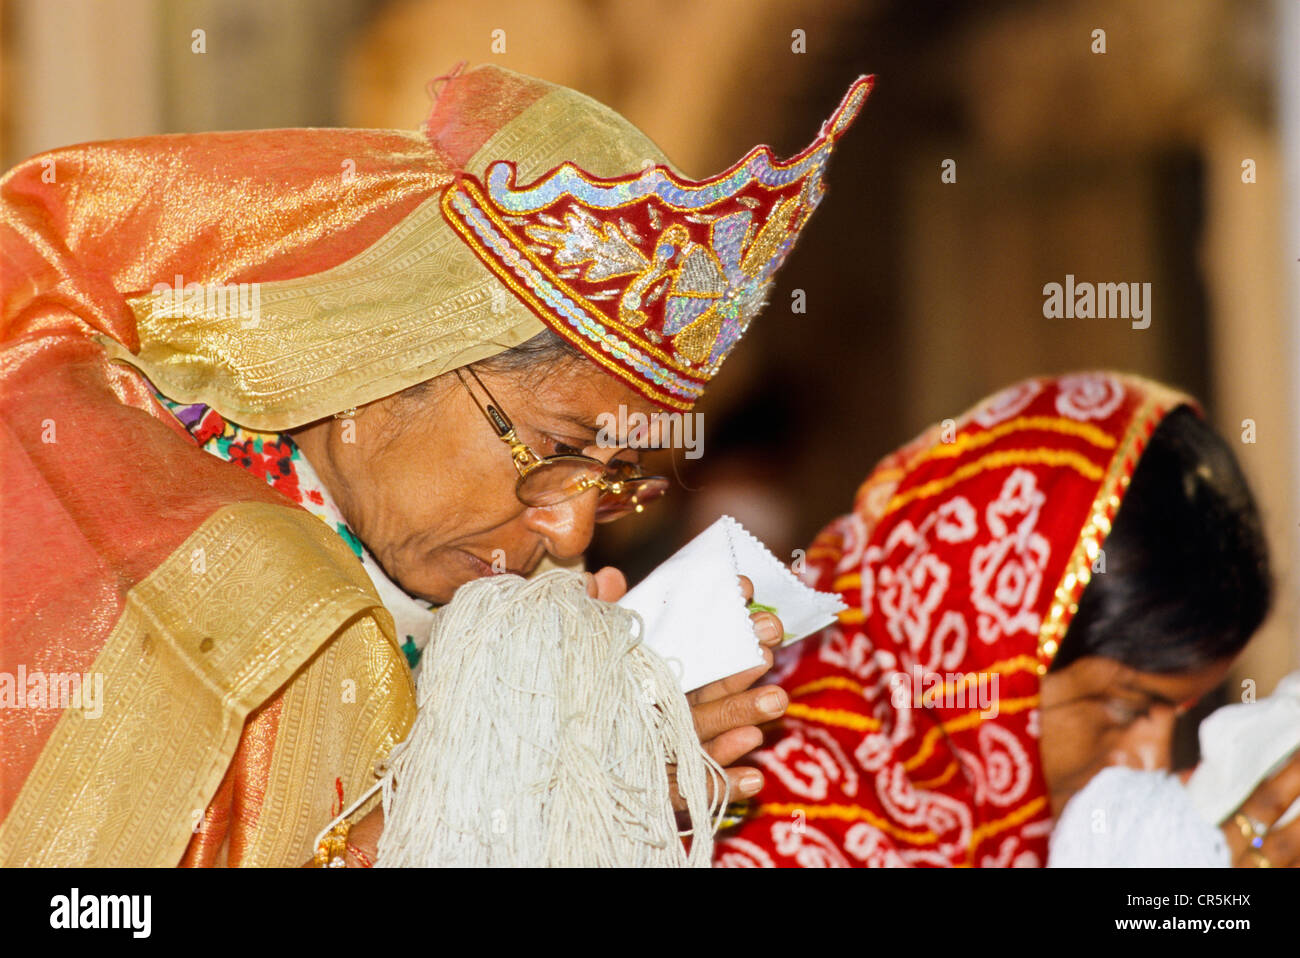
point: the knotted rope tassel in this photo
(543, 737)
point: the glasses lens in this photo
(632, 496)
(560, 478)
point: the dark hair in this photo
(1186, 579)
(544, 349)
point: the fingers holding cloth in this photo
(716, 611)
(1249, 777)
(696, 611)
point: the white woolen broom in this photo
(544, 732)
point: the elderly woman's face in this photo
(430, 489)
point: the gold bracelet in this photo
(332, 848)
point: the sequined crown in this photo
(654, 277)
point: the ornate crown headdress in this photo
(402, 268)
(651, 275)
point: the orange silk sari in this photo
(250, 674)
(224, 622)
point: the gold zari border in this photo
(1160, 402)
(230, 617)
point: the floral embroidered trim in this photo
(656, 379)
(653, 277)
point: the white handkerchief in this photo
(1149, 821)
(694, 612)
(1241, 745)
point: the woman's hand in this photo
(727, 712)
(1280, 847)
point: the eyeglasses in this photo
(549, 480)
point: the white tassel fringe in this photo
(543, 737)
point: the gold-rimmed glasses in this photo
(549, 480)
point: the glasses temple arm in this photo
(493, 411)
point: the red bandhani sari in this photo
(912, 732)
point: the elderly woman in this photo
(1035, 591)
(211, 343)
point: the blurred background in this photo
(1164, 159)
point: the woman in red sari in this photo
(1034, 591)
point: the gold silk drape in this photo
(251, 676)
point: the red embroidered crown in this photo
(654, 277)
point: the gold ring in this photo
(1260, 860)
(1252, 829)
